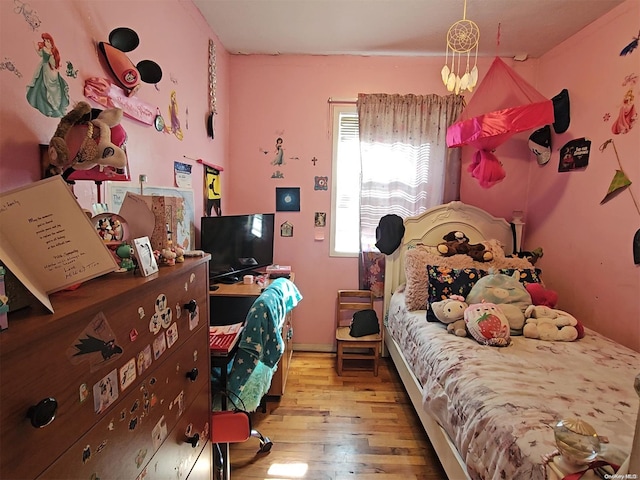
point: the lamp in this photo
(462, 38)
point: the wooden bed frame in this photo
(429, 228)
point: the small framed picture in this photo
(146, 259)
(286, 230)
(287, 199)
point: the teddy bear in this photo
(507, 293)
(81, 143)
(451, 312)
(550, 324)
(458, 243)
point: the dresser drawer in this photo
(105, 338)
(151, 416)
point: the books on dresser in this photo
(222, 338)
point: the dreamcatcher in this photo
(462, 38)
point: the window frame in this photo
(335, 118)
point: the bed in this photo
(489, 411)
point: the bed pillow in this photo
(445, 281)
(419, 257)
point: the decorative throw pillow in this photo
(527, 275)
(445, 281)
(487, 324)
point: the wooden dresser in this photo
(126, 361)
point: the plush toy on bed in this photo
(451, 312)
(550, 324)
(507, 293)
(487, 324)
(540, 295)
(458, 243)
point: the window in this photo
(345, 178)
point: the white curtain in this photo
(406, 165)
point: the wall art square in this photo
(287, 199)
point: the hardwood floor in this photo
(352, 427)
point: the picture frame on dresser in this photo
(144, 253)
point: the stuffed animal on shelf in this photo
(487, 324)
(507, 293)
(550, 324)
(81, 143)
(541, 295)
(451, 312)
(458, 243)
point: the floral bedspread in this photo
(499, 404)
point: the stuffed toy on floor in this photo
(458, 243)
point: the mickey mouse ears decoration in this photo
(127, 74)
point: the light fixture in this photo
(462, 38)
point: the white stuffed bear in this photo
(451, 312)
(549, 324)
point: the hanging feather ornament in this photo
(462, 39)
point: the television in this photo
(238, 244)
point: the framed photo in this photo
(287, 199)
(144, 254)
(286, 230)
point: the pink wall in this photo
(287, 96)
(587, 246)
(175, 36)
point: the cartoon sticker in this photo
(159, 346)
(105, 392)
(86, 454)
(144, 359)
(97, 344)
(84, 392)
(194, 318)
(172, 335)
(127, 374)
(159, 433)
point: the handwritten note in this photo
(47, 241)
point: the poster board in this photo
(116, 191)
(47, 241)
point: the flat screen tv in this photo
(237, 244)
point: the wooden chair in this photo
(350, 348)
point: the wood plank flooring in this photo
(352, 427)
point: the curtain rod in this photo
(343, 101)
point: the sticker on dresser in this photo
(96, 344)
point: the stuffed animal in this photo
(507, 293)
(458, 243)
(451, 312)
(487, 324)
(541, 295)
(81, 143)
(549, 324)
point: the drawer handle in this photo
(43, 413)
(192, 374)
(194, 440)
(191, 306)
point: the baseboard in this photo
(312, 347)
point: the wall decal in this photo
(48, 92)
(286, 230)
(321, 183)
(631, 46)
(627, 114)
(287, 199)
(29, 14)
(574, 154)
(8, 64)
(173, 115)
(279, 158)
(277, 174)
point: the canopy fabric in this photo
(504, 104)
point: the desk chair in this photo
(350, 348)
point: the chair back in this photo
(351, 301)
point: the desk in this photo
(230, 304)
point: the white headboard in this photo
(429, 228)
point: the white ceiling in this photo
(395, 27)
